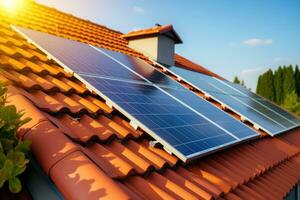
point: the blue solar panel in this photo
(267, 116)
(184, 95)
(180, 127)
(289, 116)
(76, 54)
(148, 98)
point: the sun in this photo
(11, 5)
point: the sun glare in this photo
(11, 5)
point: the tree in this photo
(288, 84)
(236, 80)
(278, 82)
(243, 83)
(259, 85)
(297, 80)
(292, 103)
(12, 151)
(265, 86)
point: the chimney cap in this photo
(166, 30)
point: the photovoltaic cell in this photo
(264, 102)
(172, 123)
(172, 87)
(149, 99)
(81, 58)
(266, 115)
(142, 68)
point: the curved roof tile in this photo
(98, 154)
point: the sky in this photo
(232, 37)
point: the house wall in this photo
(166, 49)
(148, 46)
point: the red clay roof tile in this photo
(98, 154)
(44, 134)
(156, 30)
(103, 131)
(79, 178)
(110, 162)
(99, 103)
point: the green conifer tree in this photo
(266, 86)
(292, 103)
(236, 80)
(297, 80)
(289, 84)
(258, 86)
(278, 82)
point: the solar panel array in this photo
(188, 127)
(184, 95)
(264, 114)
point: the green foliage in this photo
(12, 151)
(265, 86)
(242, 83)
(236, 80)
(297, 80)
(288, 84)
(283, 87)
(292, 103)
(278, 81)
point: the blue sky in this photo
(231, 37)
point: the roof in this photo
(90, 151)
(166, 30)
(187, 64)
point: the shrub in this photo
(12, 151)
(292, 103)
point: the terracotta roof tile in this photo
(140, 165)
(110, 162)
(185, 63)
(171, 160)
(79, 89)
(171, 187)
(47, 155)
(99, 128)
(156, 30)
(91, 107)
(44, 101)
(65, 88)
(119, 130)
(95, 152)
(21, 103)
(99, 103)
(144, 189)
(70, 103)
(79, 178)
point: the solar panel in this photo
(183, 131)
(289, 116)
(263, 114)
(148, 101)
(184, 95)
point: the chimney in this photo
(158, 43)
